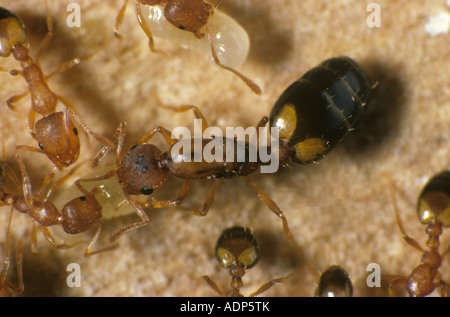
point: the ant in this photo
(145, 167)
(187, 15)
(78, 215)
(237, 250)
(55, 133)
(433, 210)
(334, 282)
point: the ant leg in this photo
(139, 211)
(89, 251)
(249, 83)
(214, 286)
(268, 285)
(195, 109)
(26, 184)
(275, 209)
(74, 115)
(117, 138)
(48, 37)
(405, 236)
(146, 30)
(119, 19)
(394, 281)
(51, 238)
(208, 201)
(65, 66)
(167, 135)
(14, 99)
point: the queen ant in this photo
(325, 121)
(433, 210)
(238, 250)
(77, 216)
(192, 16)
(334, 282)
(55, 133)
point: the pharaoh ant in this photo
(77, 216)
(55, 133)
(191, 16)
(238, 250)
(145, 167)
(433, 210)
(334, 282)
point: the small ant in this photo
(433, 210)
(55, 133)
(237, 250)
(334, 282)
(187, 15)
(78, 215)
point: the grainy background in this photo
(339, 210)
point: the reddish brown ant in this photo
(433, 210)
(237, 250)
(78, 215)
(55, 132)
(187, 15)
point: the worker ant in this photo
(238, 250)
(78, 215)
(55, 133)
(334, 282)
(192, 16)
(433, 210)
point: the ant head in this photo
(141, 170)
(334, 282)
(12, 32)
(58, 138)
(191, 16)
(80, 214)
(434, 200)
(237, 246)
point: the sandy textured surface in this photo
(339, 210)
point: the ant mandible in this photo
(55, 133)
(238, 250)
(78, 215)
(433, 210)
(187, 15)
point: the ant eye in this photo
(181, 27)
(82, 198)
(133, 147)
(40, 146)
(146, 191)
(75, 131)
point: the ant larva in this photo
(433, 210)
(238, 250)
(334, 282)
(226, 41)
(77, 216)
(55, 132)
